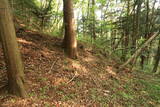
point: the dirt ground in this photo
(53, 80)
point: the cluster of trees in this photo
(125, 26)
(12, 55)
(129, 28)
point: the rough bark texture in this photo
(69, 42)
(11, 51)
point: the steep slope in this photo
(92, 80)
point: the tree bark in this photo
(126, 34)
(157, 59)
(143, 57)
(69, 42)
(93, 20)
(138, 51)
(136, 24)
(12, 54)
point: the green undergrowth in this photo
(139, 90)
(134, 89)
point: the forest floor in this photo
(53, 80)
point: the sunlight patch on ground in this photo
(46, 52)
(24, 41)
(110, 70)
(79, 67)
(102, 76)
(60, 81)
(22, 25)
(90, 58)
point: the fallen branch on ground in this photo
(53, 65)
(75, 75)
(139, 51)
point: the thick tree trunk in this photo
(69, 42)
(11, 51)
(138, 51)
(157, 59)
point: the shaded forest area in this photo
(79, 53)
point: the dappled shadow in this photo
(54, 79)
(46, 67)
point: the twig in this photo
(94, 82)
(71, 79)
(53, 65)
(75, 75)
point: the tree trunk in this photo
(83, 21)
(133, 39)
(93, 20)
(136, 24)
(138, 51)
(126, 35)
(157, 59)
(12, 55)
(143, 57)
(69, 42)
